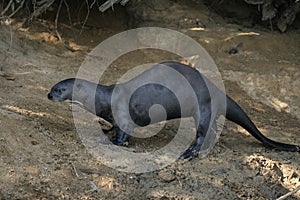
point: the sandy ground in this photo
(42, 156)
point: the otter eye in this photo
(63, 89)
(57, 90)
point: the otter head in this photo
(62, 91)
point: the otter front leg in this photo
(123, 126)
(121, 137)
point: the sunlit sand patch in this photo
(27, 112)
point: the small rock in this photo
(7, 76)
(34, 142)
(277, 170)
(236, 49)
(166, 176)
(10, 78)
(219, 171)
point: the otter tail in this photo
(236, 114)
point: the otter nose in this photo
(50, 96)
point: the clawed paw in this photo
(116, 142)
(189, 154)
(120, 143)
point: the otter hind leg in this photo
(202, 122)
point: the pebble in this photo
(166, 176)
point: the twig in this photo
(17, 10)
(108, 4)
(69, 17)
(289, 193)
(68, 12)
(39, 3)
(86, 17)
(124, 2)
(79, 10)
(94, 187)
(56, 20)
(38, 11)
(11, 37)
(92, 4)
(6, 8)
(75, 170)
(13, 13)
